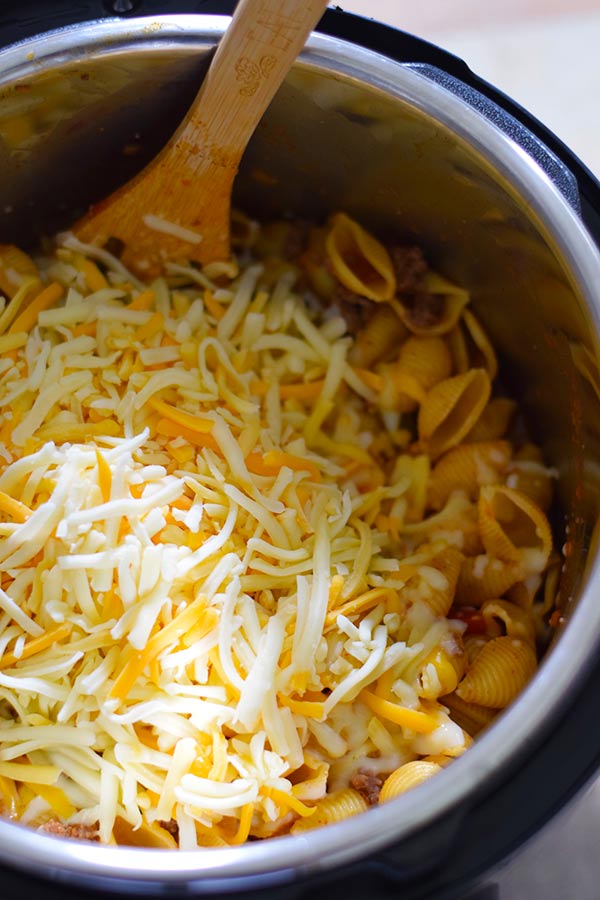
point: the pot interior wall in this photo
(70, 131)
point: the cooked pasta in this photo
(406, 777)
(451, 409)
(494, 421)
(359, 261)
(467, 468)
(382, 335)
(473, 717)
(516, 622)
(485, 577)
(473, 347)
(334, 808)
(442, 310)
(528, 475)
(267, 558)
(514, 529)
(499, 672)
(422, 362)
(435, 581)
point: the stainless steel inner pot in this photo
(397, 147)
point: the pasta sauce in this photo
(271, 549)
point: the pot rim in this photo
(538, 707)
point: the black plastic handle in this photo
(555, 169)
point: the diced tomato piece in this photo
(472, 616)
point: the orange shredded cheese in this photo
(36, 645)
(27, 319)
(168, 635)
(14, 508)
(289, 801)
(421, 722)
(188, 421)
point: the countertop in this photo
(542, 53)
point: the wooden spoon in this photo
(187, 187)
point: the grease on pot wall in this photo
(543, 53)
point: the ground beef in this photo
(355, 309)
(410, 268)
(78, 832)
(368, 784)
(172, 827)
(423, 310)
(297, 238)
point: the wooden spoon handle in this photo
(189, 183)
(251, 61)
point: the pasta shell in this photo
(547, 609)
(381, 335)
(359, 261)
(500, 672)
(472, 717)
(310, 781)
(209, 837)
(314, 263)
(522, 594)
(415, 468)
(457, 518)
(473, 643)
(484, 578)
(451, 409)
(439, 759)
(333, 808)
(425, 358)
(551, 586)
(517, 622)
(457, 344)
(482, 353)
(406, 777)
(466, 468)
(436, 309)
(401, 391)
(514, 529)
(435, 582)
(422, 362)
(494, 421)
(528, 474)
(147, 835)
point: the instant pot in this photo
(406, 138)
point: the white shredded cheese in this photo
(165, 227)
(207, 561)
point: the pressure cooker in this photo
(403, 136)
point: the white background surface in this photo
(545, 54)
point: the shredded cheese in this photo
(200, 612)
(163, 225)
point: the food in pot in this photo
(272, 546)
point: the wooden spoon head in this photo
(168, 213)
(189, 184)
